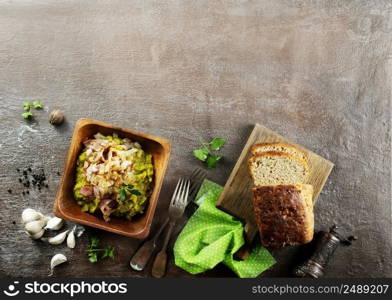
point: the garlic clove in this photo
(71, 239)
(29, 215)
(37, 235)
(58, 239)
(35, 226)
(46, 219)
(56, 260)
(54, 223)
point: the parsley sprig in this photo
(28, 106)
(95, 253)
(126, 190)
(207, 152)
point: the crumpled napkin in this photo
(212, 236)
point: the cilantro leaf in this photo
(217, 143)
(37, 104)
(213, 160)
(27, 105)
(201, 154)
(27, 115)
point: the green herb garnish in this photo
(127, 189)
(27, 115)
(28, 106)
(94, 253)
(37, 104)
(207, 152)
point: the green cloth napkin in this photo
(212, 236)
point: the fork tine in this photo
(197, 178)
(184, 196)
(195, 173)
(174, 197)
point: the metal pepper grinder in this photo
(325, 246)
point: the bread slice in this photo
(284, 214)
(272, 168)
(278, 147)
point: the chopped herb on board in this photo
(207, 152)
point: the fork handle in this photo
(144, 253)
(160, 262)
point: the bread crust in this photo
(255, 147)
(283, 215)
(279, 154)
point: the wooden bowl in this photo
(65, 206)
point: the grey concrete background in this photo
(318, 72)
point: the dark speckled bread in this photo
(284, 214)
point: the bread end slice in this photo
(284, 214)
(279, 147)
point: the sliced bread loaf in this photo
(284, 214)
(279, 147)
(272, 168)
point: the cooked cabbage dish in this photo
(114, 177)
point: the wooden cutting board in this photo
(236, 197)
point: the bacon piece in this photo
(107, 206)
(87, 191)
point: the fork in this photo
(176, 210)
(143, 254)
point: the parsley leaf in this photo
(94, 254)
(217, 143)
(108, 251)
(207, 152)
(135, 192)
(27, 105)
(122, 194)
(201, 154)
(37, 104)
(126, 189)
(27, 115)
(92, 257)
(94, 242)
(213, 160)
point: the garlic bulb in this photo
(54, 223)
(29, 215)
(35, 226)
(58, 239)
(71, 239)
(55, 261)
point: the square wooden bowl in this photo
(65, 206)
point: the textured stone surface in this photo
(318, 72)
